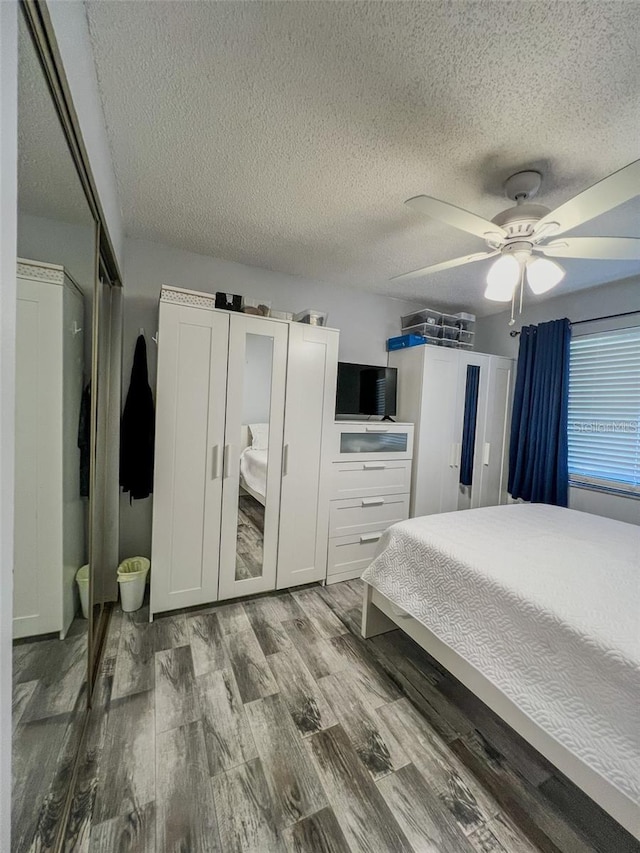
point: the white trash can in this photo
(132, 578)
(82, 579)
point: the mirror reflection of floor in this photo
(250, 540)
(49, 698)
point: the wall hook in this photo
(76, 329)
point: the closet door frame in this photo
(242, 325)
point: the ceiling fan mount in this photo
(526, 231)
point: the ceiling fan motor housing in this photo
(519, 221)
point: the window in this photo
(604, 411)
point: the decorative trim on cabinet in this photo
(40, 272)
(187, 297)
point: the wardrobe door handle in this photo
(373, 466)
(372, 501)
(227, 455)
(215, 462)
(486, 454)
(369, 537)
(285, 460)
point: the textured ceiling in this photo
(287, 135)
(48, 184)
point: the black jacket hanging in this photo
(84, 441)
(137, 431)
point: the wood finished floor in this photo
(270, 725)
(48, 704)
(250, 538)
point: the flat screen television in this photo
(366, 390)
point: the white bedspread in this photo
(545, 603)
(253, 470)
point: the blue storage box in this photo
(403, 341)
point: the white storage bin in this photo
(449, 320)
(449, 333)
(465, 321)
(466, 337)
(430, 333)
(425, 315)
(312, 317)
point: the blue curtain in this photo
(538, 464)
(469, 425)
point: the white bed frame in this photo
(380, 615)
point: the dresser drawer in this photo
(371, 440)
(362, 515)
(362, 479)
(350, 555)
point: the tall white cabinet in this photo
(432, 393)
(244, 406)
(49, 511)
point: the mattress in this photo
(253, 470)
(545, 603)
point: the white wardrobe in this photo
(244, 412)
(455, 467)
(50, 541)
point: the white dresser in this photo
(370, 484)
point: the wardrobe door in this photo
(252, 455)
(37, 574)
(309, 414)
(471, 410)
(190, 417)
(494, 461)
(437, 470)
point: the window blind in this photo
(604, 410)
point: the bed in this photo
(253, 472)
(254, 455)
(536, 609)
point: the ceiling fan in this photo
(525, 236)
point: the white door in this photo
(474, 371)
(494, 461)
(437, 470)
(252, 455)
(309, 415)
(190, 420)
(37, 573)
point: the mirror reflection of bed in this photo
(251, 500)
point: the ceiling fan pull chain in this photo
(522, 268)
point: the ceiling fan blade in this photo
(601, 197)
(456, 216)
(604, 248)
(445, 265)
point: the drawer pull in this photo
(377, 429)
(373, 466)
(372, 501)
(369, 537)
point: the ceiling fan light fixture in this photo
(502, 279)
(543, 274)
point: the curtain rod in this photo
(515, 334)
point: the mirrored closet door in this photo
(253, 455)
(56, 275)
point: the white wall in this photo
(365, 322)
(492, 335)
(257, 381)
(8, 209)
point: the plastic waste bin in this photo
(132, 577)
(82, 579)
